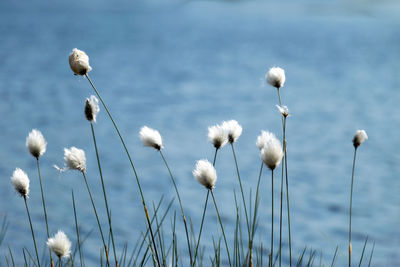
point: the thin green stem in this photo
(351, 202)
(280, 221)
(362, 254)
(59, 261)
(272, 217)
(241, 190)
(77, 229)
(253, 227)
(33, 234)
(222, 227)
(372, 253)
(44, 205)
(133, 167)
(97, 218)
(104, 193)
(180, 204)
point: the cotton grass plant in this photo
(157, 245)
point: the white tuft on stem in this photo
(36, 143)
(91, 108)
(150, 137)
(271, 153)
(79, 62)
(283, 110)
(205, 173)
(75, 159)
(232, 129)
(263, 139)
(60, 244)
(359, 138)
(276, 77)
(20, 181)
(217, 136)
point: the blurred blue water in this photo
(180, 67)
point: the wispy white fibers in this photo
(263, 139)
(359, 138)
(36, 143)
(205, 173)
(91, 108)
(150, 137)
(75, 159)
(271, 153)
(232, 129)
(20, 181)
(283, 110)
(217, 136)
(60, 244)
(79, 62)
(276, 77)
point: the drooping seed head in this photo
(276, 77)
(217, 136)
(79, 62)
(232, 129)
(91, 108)
(271, 153)
(75, 159)
(60, 244)
(283, 110)
(205, 173)
(36, 143)
(359, 138)
(150, 137)
(20, 181)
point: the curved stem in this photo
(180, 204)
(351, 201)
(44, 206)
(97, 218)
(222, 227)
(104, 194)
(33, 234)
(133, 167)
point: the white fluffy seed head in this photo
(283, 110)
(36, 143)
(91, 108)
(232, 129)
(359, 138)
(60, 244)
(275, 77)
(264, 138)
(150, 137)
(205, 173)
(79, 62)
(271, 153)
(217, 136)
(20, 181)
(75, 159)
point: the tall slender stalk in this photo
(222, 227)
(272, 218)
(77, 230)
(204, 213)
(351, 202)
(104, 194)
(97, 218)
(33, 234)
(253, 226)
(133, 167)
(44, 206)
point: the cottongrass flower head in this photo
(79, 62)
(359, 138)
(283, 110)
(217, 136)
(232, 129)
(205, 174)
(263, 139)
(91, 108)
(20, 181)
(75, 159)
(271, 153)
(276, 77)
(150, 137)
(36, 143)
(60, 244)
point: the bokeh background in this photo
(181, 66)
